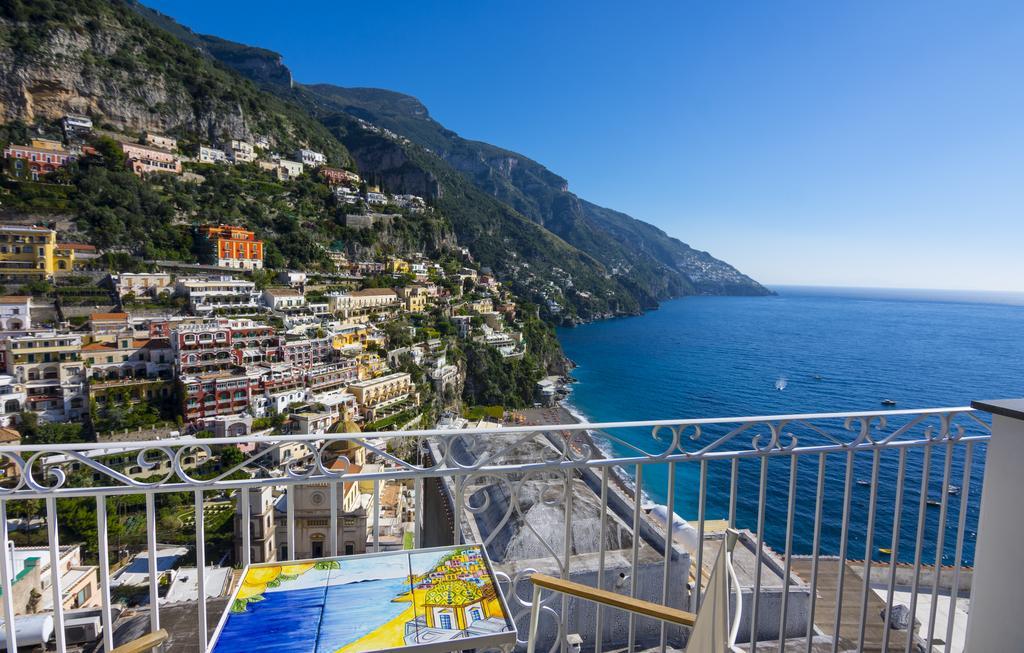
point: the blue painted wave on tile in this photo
(283, 622)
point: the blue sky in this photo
(871, 144)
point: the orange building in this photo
(234, 247)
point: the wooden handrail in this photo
(144, 643)
(604, 597)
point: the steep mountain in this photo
(653, 264)
(96, 57)
(133, 70)
(660, 264)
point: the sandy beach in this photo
(556, 414)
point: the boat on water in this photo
(781, 383)
(953, 490)
(888, 402)
(886, 552)
(934, 502)
(861, 481)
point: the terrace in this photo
(841, 515)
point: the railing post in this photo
(996, 594)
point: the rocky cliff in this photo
(101, 60)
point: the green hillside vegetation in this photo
(155, 218)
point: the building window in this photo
(446, 621)
(318, 549)
(349, 548)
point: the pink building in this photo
(143, 159)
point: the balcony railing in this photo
(844, 515)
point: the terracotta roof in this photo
(11, 299)
(340, 465)
(152, 343)
(284, 292)
(120, 317)
(98, 346)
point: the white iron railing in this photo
(792, 480)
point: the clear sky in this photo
(861, 143)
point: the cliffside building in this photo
(241, 152)
(36, 160)
(339, 177)
(162, 142)
(233, 247)
(28, 253)
(212, 155)
(142, 159)
(310, 158)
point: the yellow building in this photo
(28, 252)
(415, 298)
(354, 334)
(370, 365)
(455, 604)
(398, 266)
(47, 144)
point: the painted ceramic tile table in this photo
(419, 601)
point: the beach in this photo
(557, 414)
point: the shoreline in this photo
(559, 414)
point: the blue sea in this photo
(833, 350)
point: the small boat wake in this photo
(781, 383)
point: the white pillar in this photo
(997, 592)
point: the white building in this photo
(79, 584)
(141, 284)
(362, 301)
(12, 399)
(50, 367)
(281, 299)
(287, 170)
(346, 195)
(279, 401)
(241, 152)
(209, 294)
(311, 158)
(212, 155)
(373, 197)
(75, 125)
(15, 312)
(413, 203)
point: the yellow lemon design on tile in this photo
(247, 591)
(262, 575)
(296, 570)
(258, 579)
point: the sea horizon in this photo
(835, 350)
(952, 295)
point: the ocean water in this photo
(831, 350)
